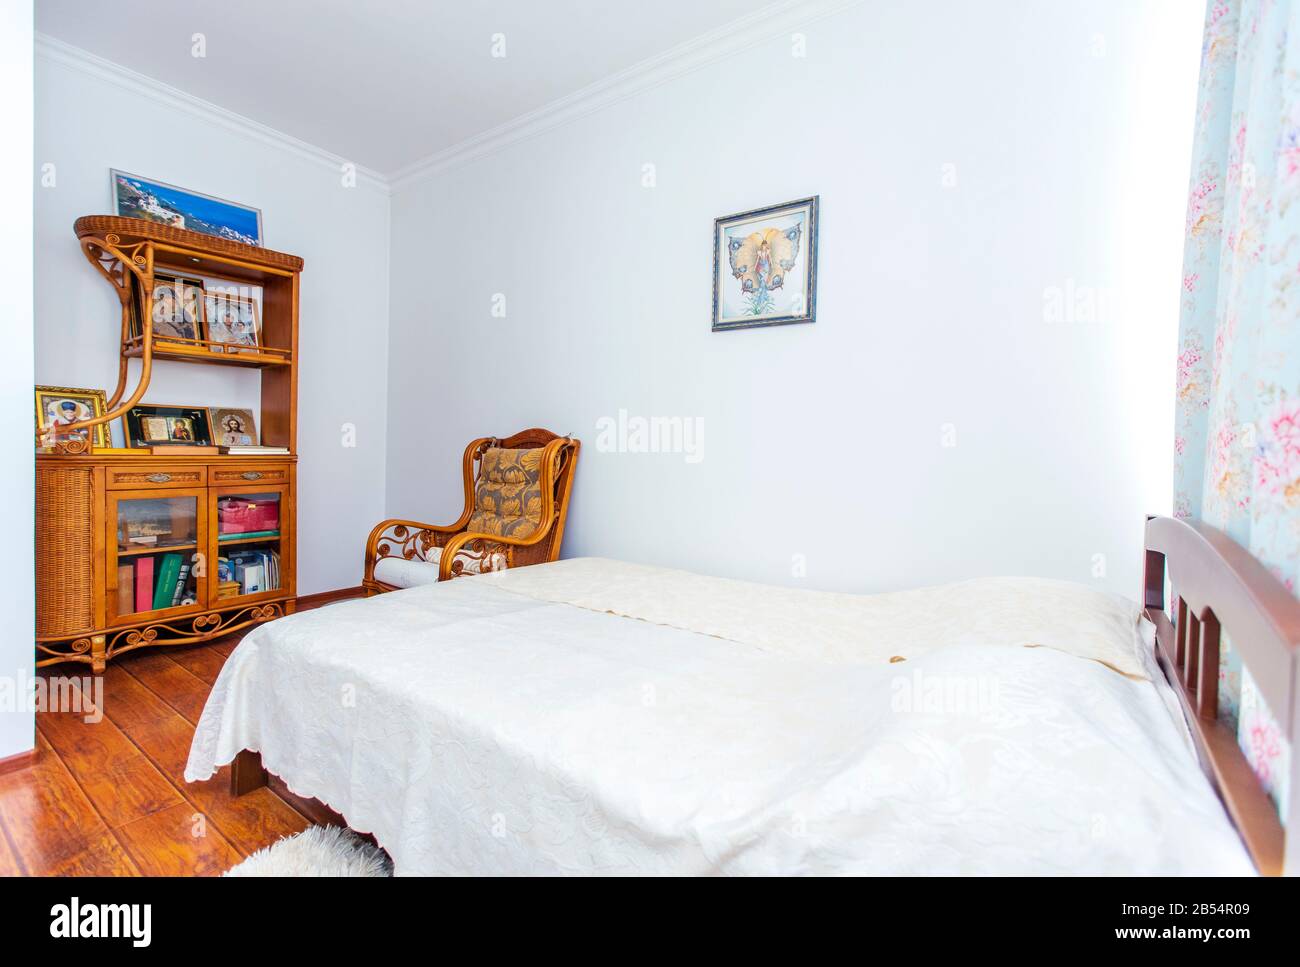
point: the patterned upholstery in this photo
(508, 498)
(516, 492)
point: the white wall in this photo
(90, 120)
(16, 487)
(1069, 125)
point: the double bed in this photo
(592, 716)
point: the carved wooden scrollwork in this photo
(414, 544)
(487, 555)
(407, 543)
(180, 631)
(115, 261)
(72, 445)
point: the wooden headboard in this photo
(1217, 585)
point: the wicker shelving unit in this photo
(99, 513)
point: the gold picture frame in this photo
(61, 405)
(233, 427)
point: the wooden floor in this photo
(109, 798)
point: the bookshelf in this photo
(141, 549)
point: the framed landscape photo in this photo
(152, 425)
(157, 201)
(765, 266)
(233, 322)
(59, 406)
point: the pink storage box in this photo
(239, 515)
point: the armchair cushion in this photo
(399, 572)
(508, 498)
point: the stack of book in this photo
(251, 451)
(152, 582)
(248, 571)
(246, 535)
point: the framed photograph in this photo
(177, 308)
(137, 316)
(233, 321)
(157, 201)
(152, 425)
(233, 428)
(765, 266)
(59, 406)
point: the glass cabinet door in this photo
(155, 554)
(250, 542)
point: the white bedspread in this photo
(474, 729)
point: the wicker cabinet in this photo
(137, 547)
(108, 530)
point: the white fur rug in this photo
(317, 851)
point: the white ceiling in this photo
(386, 84)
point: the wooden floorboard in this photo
(170, 682)
(9, 865)
(109, 797)
(202, 662)
(178, 842)
(47, 816)
(102, 855)
(227, 644)
(128, 703)
(120, 782)
(250, 822)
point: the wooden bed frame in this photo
(1217, 584)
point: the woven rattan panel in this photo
(64, 556)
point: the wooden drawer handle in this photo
(158, 477)
(252, 475)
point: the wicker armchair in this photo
(516, 500)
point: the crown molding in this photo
(763, 25)
(733, 38)
(66, 55)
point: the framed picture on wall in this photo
(765, 266)
(157, 201)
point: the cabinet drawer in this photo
(144, 478)
(246, 474)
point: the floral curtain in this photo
(1237, 438)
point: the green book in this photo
(165, 583)
(244, 535)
